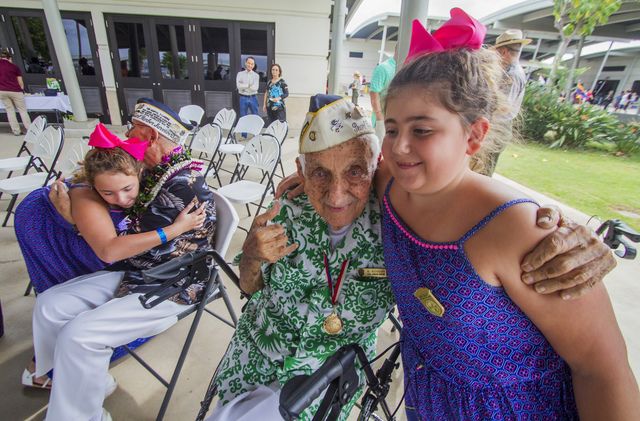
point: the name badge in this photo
(372, 272)
(429, 301)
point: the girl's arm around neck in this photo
(584, 332)
(91, 215)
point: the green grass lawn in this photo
(593, 182)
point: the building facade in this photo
(179, 53)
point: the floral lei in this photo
(152, 181)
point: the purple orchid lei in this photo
(153, 180)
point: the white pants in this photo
(75, 326)
(260, 404)
(11, 99)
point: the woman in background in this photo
(277, 91)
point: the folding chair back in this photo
(279, 130)
(75, 154)
(24, 163)
(48, 147)
(37, 127)
(192, 114)
(225, 119)
(226, 224)
(207, 141)
(49, 143)
(249, 124)
(261, 152)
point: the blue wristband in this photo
(163, 236)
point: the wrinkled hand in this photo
(59, 197)
(288, 182)
(191, 221)
(571, 260)
(267, 242)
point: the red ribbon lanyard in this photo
(334, 291)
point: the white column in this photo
(535, 53)
(65, 62)
(383, 43)
(410, 10)
(337, 38)
(106, 65)
(604, 61)
(626, 76)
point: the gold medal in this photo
(332, 324)
(429, 301)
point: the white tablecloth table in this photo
(58, 104)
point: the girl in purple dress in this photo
(479, 343)
(55, 250)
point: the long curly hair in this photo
(465, 82)
(101, 160)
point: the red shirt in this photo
(9, 73)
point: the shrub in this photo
(548, 120)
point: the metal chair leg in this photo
(29, 288)
(10, 209)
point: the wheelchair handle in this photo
(616, 230)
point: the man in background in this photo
(248, 82)
(509, 45)
(382, 75)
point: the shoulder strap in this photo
(492, 215)
(386, 191)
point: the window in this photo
(79, 45)
(355, 54)
(33, 44)
(172, 53)
(613, 68)
(253, 43)
(132, 49)
(215, 53)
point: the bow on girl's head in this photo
(460, 31)
(103, 138)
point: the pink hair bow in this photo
(103, 138)
(460, 31)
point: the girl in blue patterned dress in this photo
(479, 344)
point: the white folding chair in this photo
(74, 155)
(251, 124)
(48, 146)
(261, 153)
(225, 119)
(201, 264)
(206, 142)
(192, 114)
(278, 129)
(37, 127)
(22, 162)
